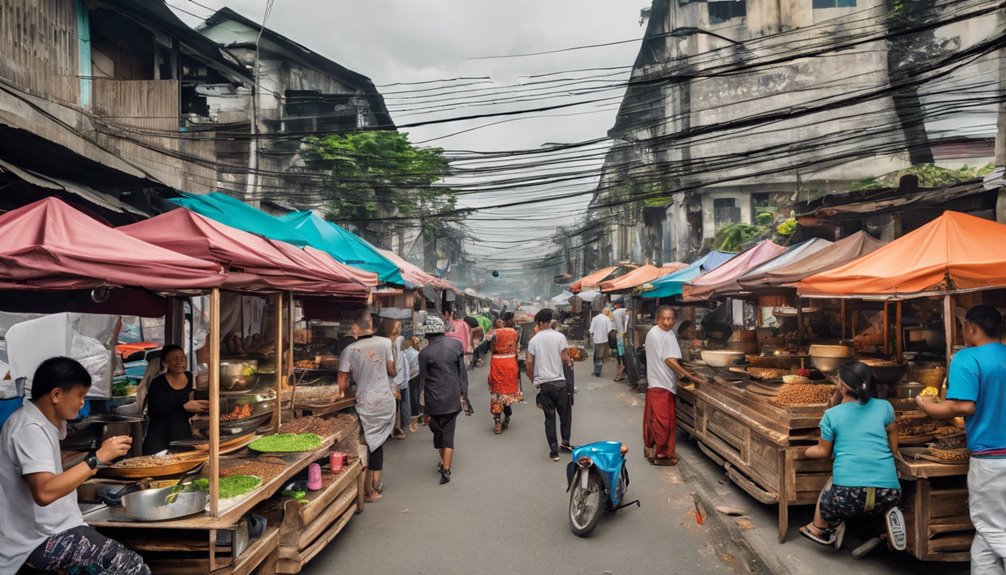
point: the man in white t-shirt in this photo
(40, 523)
(600, 327)
(663, 368)
(547, 352)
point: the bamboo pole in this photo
(214, 402)
(276, 411)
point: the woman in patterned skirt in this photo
(504, 385)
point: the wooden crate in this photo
(935, 504)
(308, 527)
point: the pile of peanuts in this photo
(803, 394)
(954, 454)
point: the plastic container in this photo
(314, 477)
(336, 461)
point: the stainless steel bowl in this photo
(152, 505)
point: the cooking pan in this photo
(165, 503)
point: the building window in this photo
(723, 10)
(725, 211)
(834, 4)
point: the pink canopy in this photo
(264, 264)
(415, 274)
(705, 286)
(48, 245)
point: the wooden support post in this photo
(948, 324)
(899, 337)
(852, 320)
(213, 550)
(842, 304)
(215, 404)
(276, 410)
(783, 463)
(887, 330)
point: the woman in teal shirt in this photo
(861, 434)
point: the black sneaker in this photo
(566, 446)
(445, 476)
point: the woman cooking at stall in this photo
(169, 402)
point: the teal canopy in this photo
(343, 245)
(299, 229)
(671, 284)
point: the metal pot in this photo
(152, 505)
(888, 374)
(827, 365)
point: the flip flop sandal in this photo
(828, 538)
(379, 488)
(665, 461)
(373, 498)
(839, 536)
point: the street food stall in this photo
(759, 412)
(249, 452)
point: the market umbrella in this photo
(670, 285)
(953, 252)
(706, 286)
(639, 276)
(795, 253)
(48, 245)
(271, 264)
(839, 253)
(343, 245)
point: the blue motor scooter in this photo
(597, 480)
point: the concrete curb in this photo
(755, 556)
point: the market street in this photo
(505, 510)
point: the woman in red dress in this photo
(504, 385)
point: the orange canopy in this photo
(640, 276)
(953, 252)
(592, 280)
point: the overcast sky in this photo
(420, 40)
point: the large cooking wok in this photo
(152, 504)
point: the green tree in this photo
(375, 174)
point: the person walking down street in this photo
(392, 330)
(411, 352)
(504, 385)
(600, 327)
(977, 392)
(620, 321)
(371, 363)
(663, 368)
(458, 329)
(861, 434)
(443, 377)
(547, 352)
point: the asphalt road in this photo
(505, 510)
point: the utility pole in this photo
(1000, 151)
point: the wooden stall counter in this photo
(935, 504)
(206, 544)
(761, 445)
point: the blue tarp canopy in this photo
(344, 245)
(670, 285)
(299, 229)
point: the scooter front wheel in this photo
(586, 503)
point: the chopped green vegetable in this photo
(286, 443)
(230, 487)
(296, 495)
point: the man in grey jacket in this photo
(443, 380)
